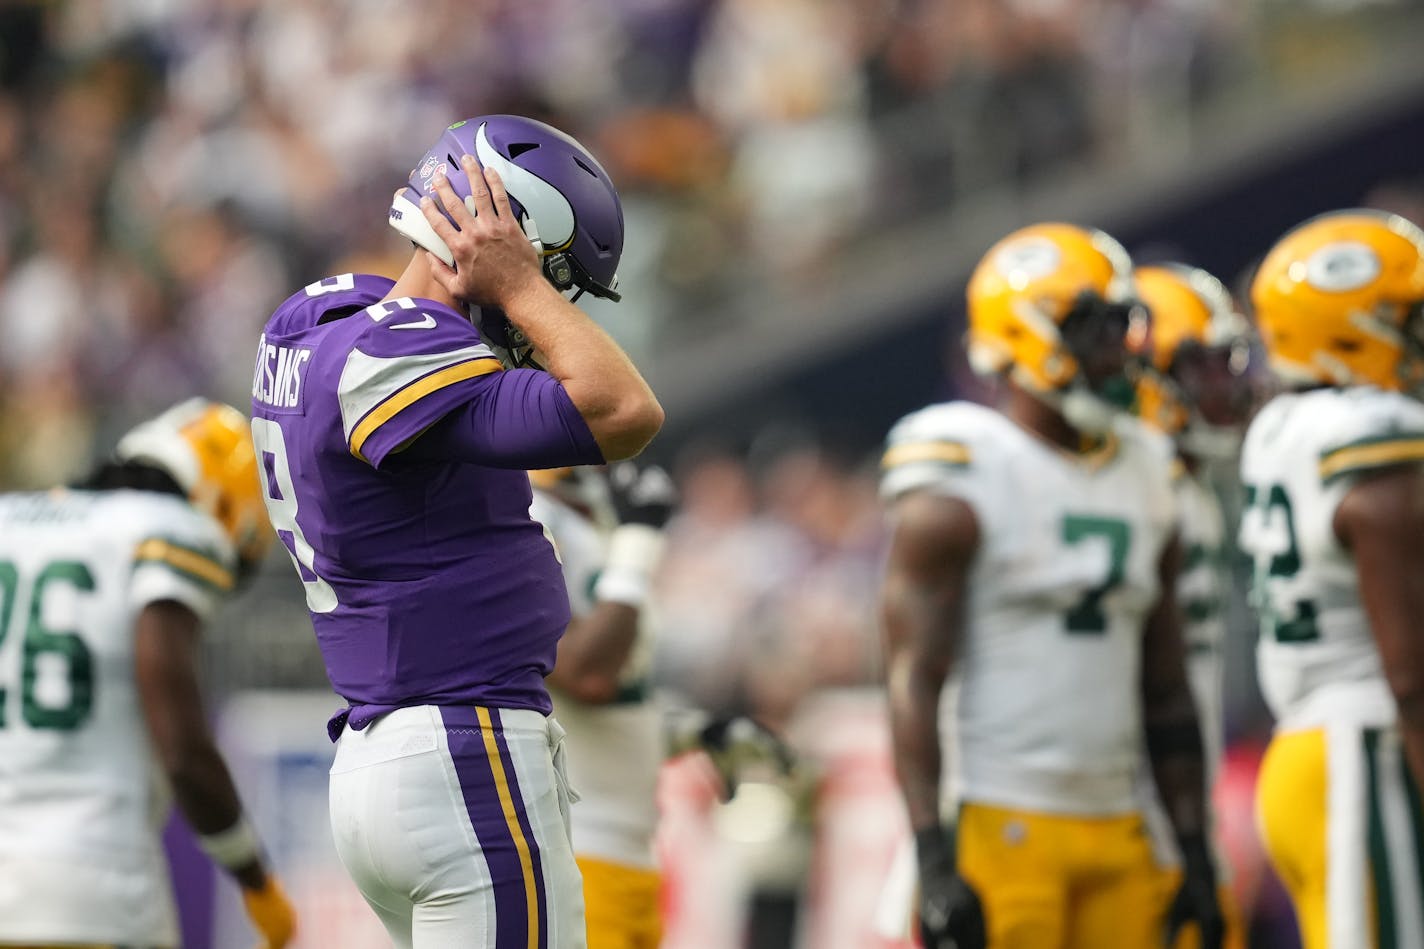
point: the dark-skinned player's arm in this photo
(933, 543)
(1177, 755)
(593, 651)
(166, 638)
(1381, 522)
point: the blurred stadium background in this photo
(807, 184)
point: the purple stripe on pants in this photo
(492, 832)
(524, 824)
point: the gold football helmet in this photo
(1196, 387)
(1054, 307)
(206, 447)
(1340, 301)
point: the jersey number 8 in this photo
(280, 495)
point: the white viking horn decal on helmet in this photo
(541, 201)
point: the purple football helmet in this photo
(551, 179)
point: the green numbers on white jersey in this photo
(1088, 616)
(9, 583)
(42, 648)
(1285, 622)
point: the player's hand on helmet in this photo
(951, 916)
(271, 913)
(1196, 900)
(494, 259)
(642, 494)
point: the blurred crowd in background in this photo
(171, 169)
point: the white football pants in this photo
(453, 821)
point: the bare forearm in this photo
(1169, 711)
(1381, 521)
(594, 651)
(921, 600)
(602, 381)
(165, 643)
(1177, 755)
(914, 727)
(203, 789)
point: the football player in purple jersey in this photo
(394, 423)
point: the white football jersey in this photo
(1203, 589)
(82, 801)
(1316, 657)
(1047, 715)
(614, 750)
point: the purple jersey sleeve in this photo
(414, 363)
(522, 418)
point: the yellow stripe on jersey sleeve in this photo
(402, 399)
(939, 452)
(1371, 453)
(191, 563)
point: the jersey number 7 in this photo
(1088, 616)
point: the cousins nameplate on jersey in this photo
(277, 377)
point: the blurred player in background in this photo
(103, 593)
(1196, 389)
(1034, 558)
(1335, 524)
(608, 530)
(394, 424)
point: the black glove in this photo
(641, 495)
(733, 743)
(951, 916)
(1196, 900)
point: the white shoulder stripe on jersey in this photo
(367, 381)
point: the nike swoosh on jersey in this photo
(427, 322)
